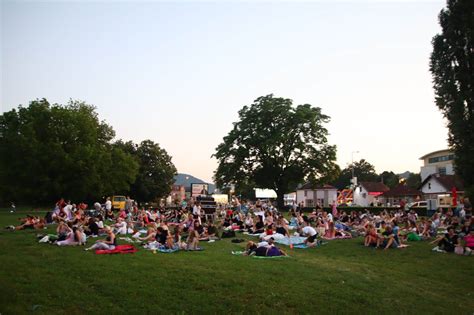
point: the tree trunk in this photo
(280, 200)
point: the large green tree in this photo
(156, 173)
(363, 170)
(452, 67)
(389, 178)
(414, 180)
(51, 151)
(276, 145)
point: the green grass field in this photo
(340, 277)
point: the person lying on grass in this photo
(108, 243)
(30, 222)
(267, 249)
(447, 242)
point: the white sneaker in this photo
(435, 249)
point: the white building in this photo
(367, 193)
(438, 162)
(441, 188)
(311, 195)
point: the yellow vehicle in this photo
(118, 202)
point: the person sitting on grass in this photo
(387, 240)
(311, 235)
(150, 235)
(469, 242)
(193, 240)
(108, 243)
(371, 236)
(92, 229)
(282, 227)
(75, 237)
(447, 242)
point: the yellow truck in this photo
(118, 202)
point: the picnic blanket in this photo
(119, 249)
(291, 240)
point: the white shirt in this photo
(196, 210)
(308, 230)
(108, 205)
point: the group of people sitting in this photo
(184, 228)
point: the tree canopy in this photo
(276, 145)
(156, 173)
(363, 170)
(452, 67)
(51, 151)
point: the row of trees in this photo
(50, 151)
(365, 172)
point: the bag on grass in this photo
(228, 234)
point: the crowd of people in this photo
(183, 228)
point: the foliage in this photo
(414, 180)
(390, 179)
(277, 146)
(48, 151)
(156, 173)
(363, 170)
(48, 279)
(452, 62)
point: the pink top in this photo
(469, 239)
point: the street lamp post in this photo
(352, 155)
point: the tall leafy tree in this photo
(414, 180)
(452, 67)
(390, 179)
(156, 173)
(363, 170)
(276, 145)
(48, 151)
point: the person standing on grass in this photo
(108, 243)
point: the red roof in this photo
(309, 186)
(374, 186)
(402, 190)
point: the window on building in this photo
(309, 203)
(442, 171)
(305, 193)
(429, 185)
(441, 158)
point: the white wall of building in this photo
(312, 197)
(432, 186)
(426, 171)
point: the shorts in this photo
(311, 238)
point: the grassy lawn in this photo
(340, 277)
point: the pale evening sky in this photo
(178, 72)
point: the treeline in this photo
(365, 172)
(49, 151)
